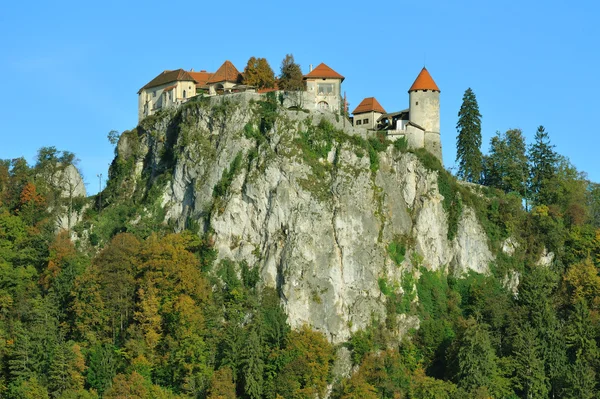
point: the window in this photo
(325, 89)
(365, 121)
(154, 94)
(358, 122)
(184, 94)
(323, 105)
(417, 103)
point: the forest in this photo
(135, 310)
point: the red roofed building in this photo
(368, 113)
(226, 77)
(324, 87)
(419, 124)
(170, 88)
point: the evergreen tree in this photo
(530, 377)
(253, 366)
(468, 142)
(476, 359)
(543, 168)
(291, 78)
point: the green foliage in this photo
(291, 78)
(506, 167)
(401, 144)
(468, 141)
(397, 250)
(221, 188)
(543, 168)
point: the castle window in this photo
(323, 105)
(154, 94)
(184, 94)
(358, 122)
(325, 89)
(417, 103)
(365, 121)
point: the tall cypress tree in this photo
(468, 141)
(543, 162)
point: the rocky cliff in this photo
(330, 216)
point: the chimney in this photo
(310, 68)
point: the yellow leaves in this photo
(583, 283)
(61, 250)
(540, 211)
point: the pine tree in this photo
(476, 359)
(543, 167)
(468, 142)
(253, 366)
(530, 376)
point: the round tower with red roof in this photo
(424, 114)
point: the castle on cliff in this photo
(419, 124)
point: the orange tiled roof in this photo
(226, 73)
(169, 88)
(323, 71)
(168, 77)
(367, 105)
(201, 77)
(424, 82)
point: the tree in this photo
(506, 166)
(543, 167)
(222, 385)
(475, 357)
(530, 377)
(468, 142)
(291, 78)
(253, 366)
(258, 73)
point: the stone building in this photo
(419, 124)
(324, 88)
(172, 88)
(367, 114)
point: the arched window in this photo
(322, 105)
(184, 95)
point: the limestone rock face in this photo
(317, 229)
(71, 187)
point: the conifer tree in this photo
(253, 366)
(529, 367)
(543, 167)
(468, 142)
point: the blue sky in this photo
(72, 68)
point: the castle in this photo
(419, 124)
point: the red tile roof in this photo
(168, 77)
(226, 73)
(424, 82)
(169, 88)
(323, 71)
(367, 105)
(200, 77)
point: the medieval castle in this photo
(419, 124)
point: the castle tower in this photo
(424, 112)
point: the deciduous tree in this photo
(291, 77)
(258, 73)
